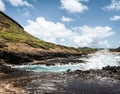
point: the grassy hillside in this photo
(10, 31)
(87, 50)
(13, 37)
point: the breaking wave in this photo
(98, 60)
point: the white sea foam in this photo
(99, 60)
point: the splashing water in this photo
(99, 60)
(102, 59)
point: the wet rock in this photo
(74, 82)
(113, 69)
(112, 72)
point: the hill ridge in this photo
(14, 37)
(11, 19)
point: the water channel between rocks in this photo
(97, 61)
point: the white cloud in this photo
(76, 37)
(14, 3)
(73, 6)
(47, 30)
(19, 3)
(2, 6)
(66, 19)
(101, 43)
(92, 36)
(115, 18)
(115, 5)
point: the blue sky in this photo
(76, 23)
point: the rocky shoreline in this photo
(18, 47)
(14, 81)
(23, 82)
(18, 58)
(77, 82)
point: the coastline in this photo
(117, 53)
(14, 81)
(18, 47)
(22, 82)
(52, 82)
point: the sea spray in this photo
(99, 60)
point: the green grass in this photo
(25, 38)
(11, 32)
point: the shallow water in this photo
(99, 60)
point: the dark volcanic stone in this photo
(14, 58)
(24, 58)
(112, 69)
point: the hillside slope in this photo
(18, 47)
(13, 37)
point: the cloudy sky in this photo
(76, 23)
